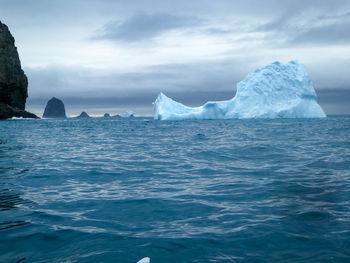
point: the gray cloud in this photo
(335, 101)
(220, 75)
(143, 26)
(331, 34)
(311, 27)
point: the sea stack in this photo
(13, 81)
(83, 115)
(54, 109)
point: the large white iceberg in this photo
(274, 91)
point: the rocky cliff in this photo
(13, 81)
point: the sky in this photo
(110, 56)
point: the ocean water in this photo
(110, 190)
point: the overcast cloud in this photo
(142, 26)
(120, 54)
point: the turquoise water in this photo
(110, 190)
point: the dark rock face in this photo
(107, 115)
(7, 112)
(54, 109)
(13, 81)
(83, 115)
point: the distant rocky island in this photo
(83, 115)
(13, 81)
(54, 109)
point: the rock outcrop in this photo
(107, 115)
(7, 112)
(13, 81)
(83, 115)
(54, 109)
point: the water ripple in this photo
(103, 190)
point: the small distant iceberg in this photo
(274, 91)
(128, 114)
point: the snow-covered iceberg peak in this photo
(274, 91)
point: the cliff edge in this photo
(13, 81)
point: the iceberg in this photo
(279, 90)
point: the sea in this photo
(119, 190)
